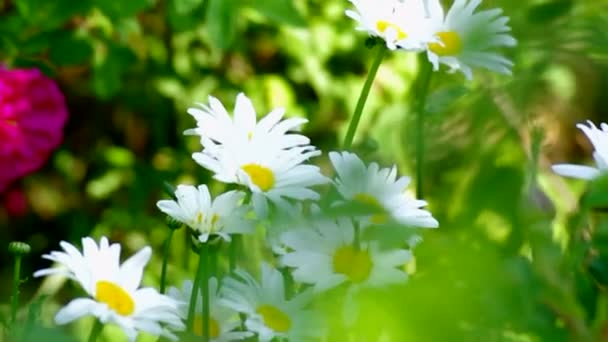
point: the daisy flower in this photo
(223, 321)
(467, 39)
(400, 23)
(194, 207)
(260, 157)
(113, 289)
(381, 190)
(268, 313)
(325, 257)
(599, 140)
(216, 128)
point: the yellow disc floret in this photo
(214, 327)
(371, 201)
(260, 176)
(383, 25)
(353, 263)
(452, 44)
(115, 297)
(274, 318)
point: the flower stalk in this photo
(19, 249)
(422, 91)
(354, 122)
(95, 331)
(201, 281)
(163, 272)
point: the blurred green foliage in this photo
(517, 256)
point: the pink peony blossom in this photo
(32, 116)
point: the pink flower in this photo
(32, 116)
(15, 202)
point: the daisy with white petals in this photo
(599, 140)
(113, 289)
(381, 190)
(194, 207)
(400, 23)
(217, 128)
(223, 321)
(265, 160)
(268, 313)
(325, 257)
(468, 39)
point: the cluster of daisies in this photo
(276, 189)
(460, 39)
(322, 231)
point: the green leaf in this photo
(282, 11)
(549, 11)
(122, 9)
(222, 18)
(107, 77)
(185, 15)
(596, 196)
(442, 99)
(70, 50)
(47, 15)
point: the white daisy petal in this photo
(599, 139)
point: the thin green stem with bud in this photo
(354, 122)
(18, 249)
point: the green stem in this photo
(354, 122)
(163, 272)
(233, 251)
(16, 283)
(287, 282)
(194, 295)
(357, 237)
(424, 82)
(95, 331)
(204, 270)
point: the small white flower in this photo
(223, 216)
(115, 296)
(400, 23)
(260, 156)
(324, 255)
(467, 39)
(216, 128)
(268, 312)
(380, 189)
(599, 140)
(223, 321)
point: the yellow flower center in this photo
(115, 297)
(249, 135)
(452, 44)
(274, 318)
(214, 327)
(355, 264)
(383, 25)
(371, 201)
(260, 176)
